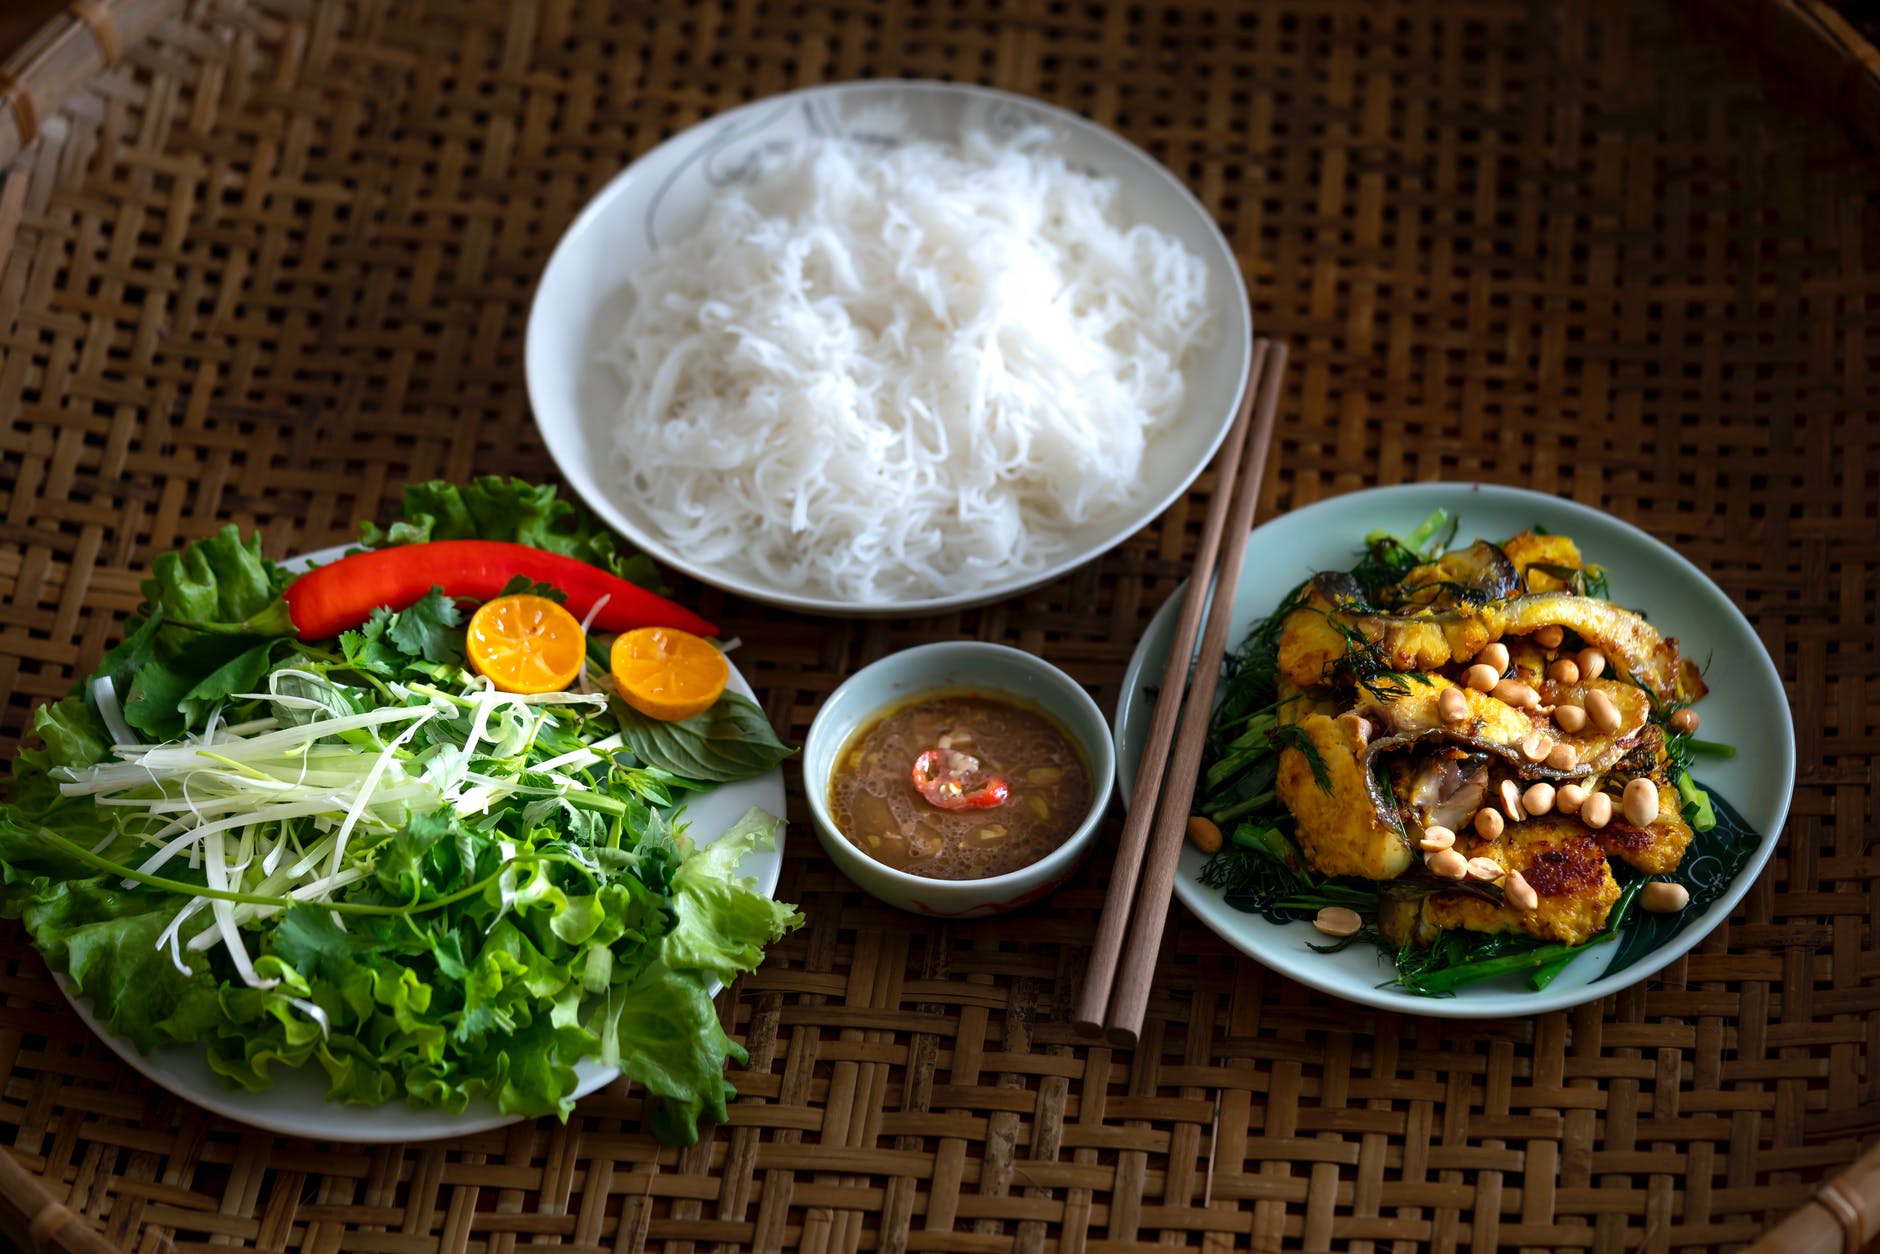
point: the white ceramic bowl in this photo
(957, 664)
(583, 296)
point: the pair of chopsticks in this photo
(1129, 934)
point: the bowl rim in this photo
(1220, 257)
(1102, 764)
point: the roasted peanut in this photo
(1562, 757)
(1519, 893)
(1204, 833)
(1571, 718)
(1516, 693)
(1447, 864)
(1338, 921)
(1664, 897)
(1640, 801)
(1536, 747)
(1684, 721)
(1564, 671)
(1592, 663)
(1550, 636)
(1539, 798)
(1488, 824)
(1436, 837)
(1511, 800)
(1495, 655)
(1596, 811)
(1484, 869)
(1452, 706)
(1481, 677)
(1570, 798)
(1604, 713)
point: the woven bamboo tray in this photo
(275, 261)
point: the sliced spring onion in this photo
(104, 696)
(217, 871)
(366, 788)
(313, 1012)
(269, 810)
(597, 969)
(1702, 816)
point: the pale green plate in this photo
(1746, 707)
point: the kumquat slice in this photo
(525, 644)
(668, 674)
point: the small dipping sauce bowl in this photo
(951, 666)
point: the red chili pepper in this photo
(329, 599)
(952, 780)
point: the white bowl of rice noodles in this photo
(887, 347)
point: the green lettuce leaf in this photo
(666, 1034)
(671, 1042)
(105, 939)
(723, 921)
(31, 867)
(221, 579)
(211, 616)
(71, 734)
(493, 508)
(137, 650)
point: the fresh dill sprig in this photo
(1292, 736)
(1252, 678)
(1261, 872)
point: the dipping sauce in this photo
(973, 742)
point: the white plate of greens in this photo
(1746, 710)
(517, 960)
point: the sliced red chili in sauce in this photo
(952, 780)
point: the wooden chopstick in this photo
(1094, 1001)
(1129, 997)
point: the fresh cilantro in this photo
(366, 649)
(423, 629)
(522, 585)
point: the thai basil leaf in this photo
(731, 741)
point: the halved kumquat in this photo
(668, 674)
(525, 644)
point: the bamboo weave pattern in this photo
(277, 262)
